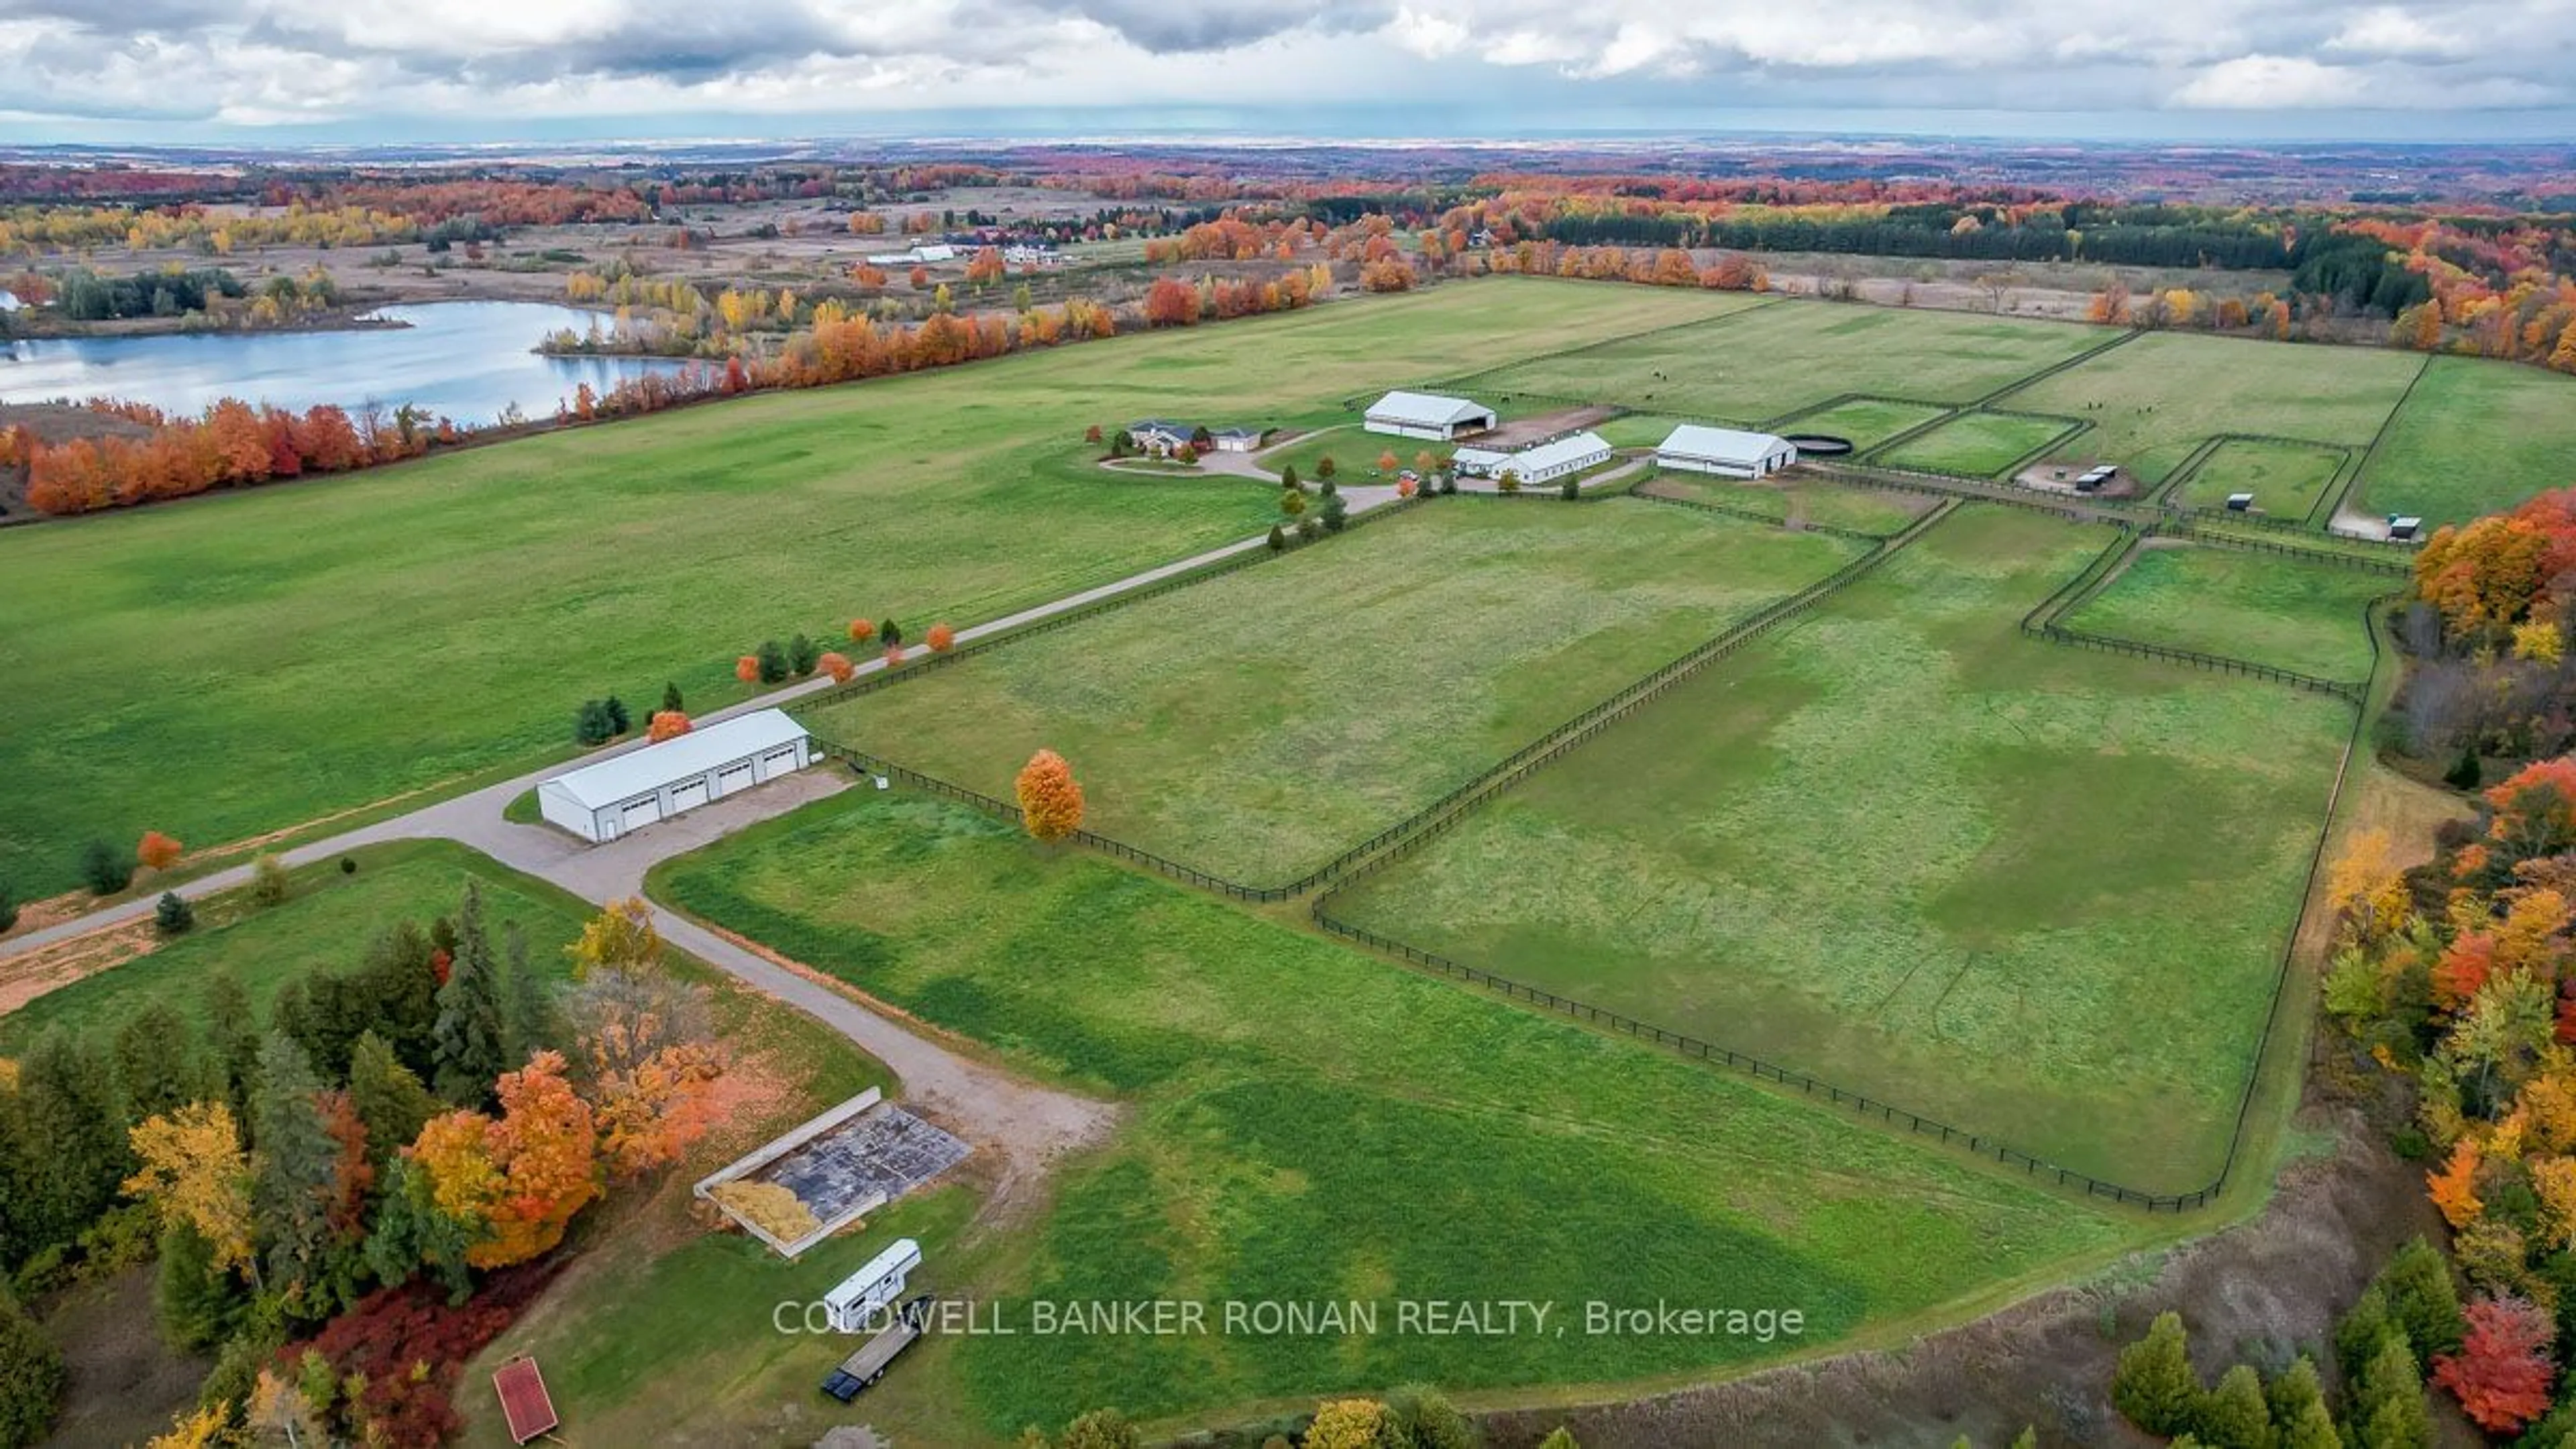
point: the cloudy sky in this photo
(181, 70)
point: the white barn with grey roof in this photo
(1548, 461)
(1425, 415)
(1692, 448)
(601, 801)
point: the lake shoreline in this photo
(38, 324)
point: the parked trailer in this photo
(862, 1369)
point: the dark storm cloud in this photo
(1186, 28)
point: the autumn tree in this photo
(157, 850)
(519, 1178)
(2502, 1372)
(1346, 1424)
(747, 668)
(620, 938)
(195, 1174)
(1050, 799)
(862, 630)
(2367, 887)
(837, 665)
(941, 638)
(666, 724)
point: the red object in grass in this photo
(524, 1401)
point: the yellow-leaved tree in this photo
(2367, 887)
(620, 938)
(1050, 799)
(195, 1173)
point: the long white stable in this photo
(602, 801)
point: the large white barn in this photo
(1692, 448)
(604, 800)
(1422, 415)
(1549, 460)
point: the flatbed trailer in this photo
(862, 1369)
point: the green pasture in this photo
(1308, 1123)
(2475, 436)
(1794, 498)
(2039, 893)
(1774, 360)
(2154, 399)
(2288, 613)
(1867, 422)
(1977, 444)
(1255, 725)
(2287, 479)
(235, 664)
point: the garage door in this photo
(689, 796)
(733, 777)
(643, 813)
(777, 763)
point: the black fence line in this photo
(2216, 663)
(2165, 495)
(2074, 428)
(2075, 507)
(1245, 558)
(1902, 435)
(1833, 530)
(2054, 368)
(2190, 528)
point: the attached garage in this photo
(639, 787)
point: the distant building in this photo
(1159, 436)
(626, 792)
(917, 255)
(1422, 415)
(1019, 255)
(1238, 440)
(1548, 461)
(1730, 452)
(2404, 528)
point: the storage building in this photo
(602, 801)
(1422, 415)
(1692, 448)
(1548, 461)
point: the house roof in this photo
(1427, 410)
(1723, 445)
(1238, 432)
(1159, 425)
(622, 777)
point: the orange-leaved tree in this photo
(862, 630)
(666, 724)
(836, 665)
(747, 668)
(1050, 798)
(2454, 1188)
(941, 638)
(157, 850)
(522, 1177)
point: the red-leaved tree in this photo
(747, 669)
(2501, 1373)
(157, 850)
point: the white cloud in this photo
(2272, 83)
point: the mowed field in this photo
(2272, 610)
(2037, 892)
(2287, 479)
(1310, 1124)
(1864, 422)
(2475, 436)
(1785, 357)
(2154, 399)
(241, 663)
(1258, 724)
(1978, 444)
(1798, 501)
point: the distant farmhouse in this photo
(1161, 437)
(1421, 415)
(1021, 254)
(1691, 448)
(918, 254)
(1549, 460)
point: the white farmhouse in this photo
(604, 800)
(1422, 415)
(1548, 461)
(1692, 448)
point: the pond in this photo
(463, 360)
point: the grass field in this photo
(1866, 510)
(1976, 445)
(2153, 400)
(1258, 724)
(2475, 436)
(1308, 1123)
(1867, 422)
(2272, 610)
(2035, 892)
(244, 662)
(2287, 479)
(1788, 357)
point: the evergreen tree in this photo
(31, 1376)
(401, 974)
(105, 869)
(590, 723)
(889, 633)
(772, 661)
(529, 1018)
(1278, 540)
(671, 699)
(2292, 1392)
(388, 1096)
(466, 1043)
(156, 1061)
(2362, 1329)
(2154, 1387)
(2423, 1300)
(1560, 1437)
(232, 1039)
(73, 1137)
(8, 906)
(619, 721)
(172, 915)
(196, 1305)
(802, 655)
(337, 1011)
(297, 1163)
(1421, 1417)
(2464, 773)
(412, 1234)
(2388, 1409)
(2235, 1415)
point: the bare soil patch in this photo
(1539, 427)
(125, 1382)
(2059, 477)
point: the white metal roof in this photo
(1564, 450)
(640, 772)
(1720, 445)
(1425, 410)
